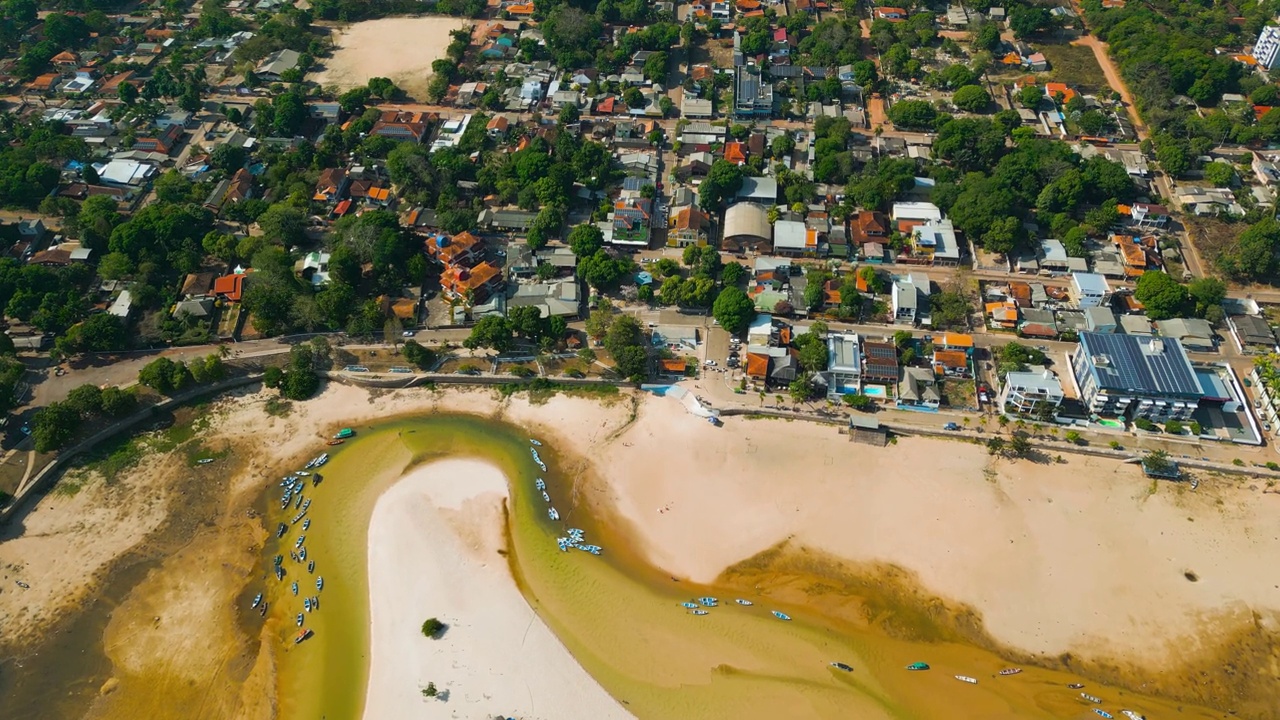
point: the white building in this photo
(1089, 289)
(844, 364)
(915, 211)
(936, 239)
(910, 296)
(1267, 50)
(1026, 393)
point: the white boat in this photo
(295, 587)
(256, 601)
(306, 603)
(1132, 715)
(551, 513)
(299, 619)
(303, 473)
(535, 442)
(966, 678)
(301, 539)
(302, 555)
(540, 484)
(1010, 671)
(780, 615)
(699, 612)
(1090, 698)
(1103, 713)
(745, 603)
(306, 524)
(205, 461)
(319, 584)
(545, 496)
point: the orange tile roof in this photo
(525, 9)
(673, 365)
(1052, 90)
(460, 280)
(380, 194)
(957, 340)
(757, 365)
(951, 358)
(1134, 255)
(232, 286)
(733, 152)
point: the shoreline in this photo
(436, 545)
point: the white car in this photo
(408, 333)
(709, 363)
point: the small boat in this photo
(315, 603)
(545, 496)
(1010, 671)
(278, 559)
(306, 524)
(744, 603)
(302, 555)
(262, 611)
(301, 539)
(333, 442)
(709, 601)
(780, 615)
(293, 556)
(540, 484)
(1075, 686)
(311, 566)
(1132, 715)
(306, 604)
(690, 605)
(966, 678)
(1090, 698)
(841, 666)
(302, 635)
(918, 666)
(534, 442)
(319, 584)
(344, 433)
(324, 458)
(699, 612)
(302, 473)
(205, 461)
(575, 532)
(295, 587)
(299, 619)
(551, 513)
(281, 530)
(564, 544)
(1103, 713)
(257, 601)
(279, 572)
(297, 501)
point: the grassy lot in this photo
(1075, 66)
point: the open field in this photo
(401, 49)
(1074, 65)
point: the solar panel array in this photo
(1134, 365)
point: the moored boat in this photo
(277, 560)
(300, 619)
(780, 615)
(1132, 715)
(1090, 698)
(281, 530)
(553, 514)
(690, 605)
(306, 524)
(1076, 686)
(306, 604)
(311, 566)
(709, 601)
(279, 572)
(262, 611)
(302, 555)
(745, 603)
(319, 584)
(918, 666)
(545, 496)
(1010, 671)
(302, 635)
(315, 603)
(301, 539)
(540, 484)
(1103, 713)
(699, 612)
(332, 442)
(257, 601)
(295, 587)
(841, 666)
(967, 679)
(534, 442)
(344, 433)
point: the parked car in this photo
(951, 426)
(709, 363)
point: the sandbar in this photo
(434, 541)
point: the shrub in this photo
(1272, 465)
(1115, 445)
(432, 627)
(1144, 424)
(1173, 427)
(1074, 438)
(1196, 429)
(522, 371)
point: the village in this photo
(863, 207)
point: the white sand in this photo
(400, 48)
(433, 551)
(1066, 557)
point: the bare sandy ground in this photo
(434, 540)
(1080, 556)
(400, 48)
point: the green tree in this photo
(164, 376)
(913, 115)
(585, 239)
(856, 401)
(1219, 174)
(117, 402)
(53, 425)
(1031, 96)
(733, 310)
(723, 181)
(491, 332)
(1207, 292)
(1253, 256)
(419, 356)
(86, 400)
(1162, 296)
(971, 98)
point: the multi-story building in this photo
(910, 296)
(1267, 50)
(753, 94)
(1134, 376)
(844, 364)
(1089, 290)
(1032, 393)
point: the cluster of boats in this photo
(575, 539)
(575, 542)
(293, 487)
(704, 604)
(1014, 671)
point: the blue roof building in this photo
(1135, 376)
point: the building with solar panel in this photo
(1135, 376)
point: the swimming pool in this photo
(1112, 424)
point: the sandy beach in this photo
(400, 48)
(434, 543)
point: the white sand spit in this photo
(433, 552)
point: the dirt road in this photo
(1099, 49)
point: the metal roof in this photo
(1140, 365)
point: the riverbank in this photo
(437, 548)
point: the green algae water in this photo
(622, 619)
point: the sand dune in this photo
(433, 551)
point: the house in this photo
(935, 241)
(793, 238)
(771, 366)
(697, 164)
(1089, 290)
(918, 390)
(397, 125)
(497, 126)
(753, 95)
(474, 285)
(628, 223)
(120, 172)
(230, 287)
(763, 190)
(746, 227)
(275, 65)
(161, 142)
(1133, 376)
(555, 298)
(332, 185)
(692, 107)
(868, 226)
(844, 364)
(880, 363)
(461, 250)
(687, 227)
(892, 14)
(1002, 315)
(1059, 92)
(1252, 333)
(910, 298)
(1100, 319)
(1265, 170)
(1036, 62)
(506, 220)
(1036, 393)
(735, 152)
(65, 61)
(1192, 333)
(954, 363)
(195, 308)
